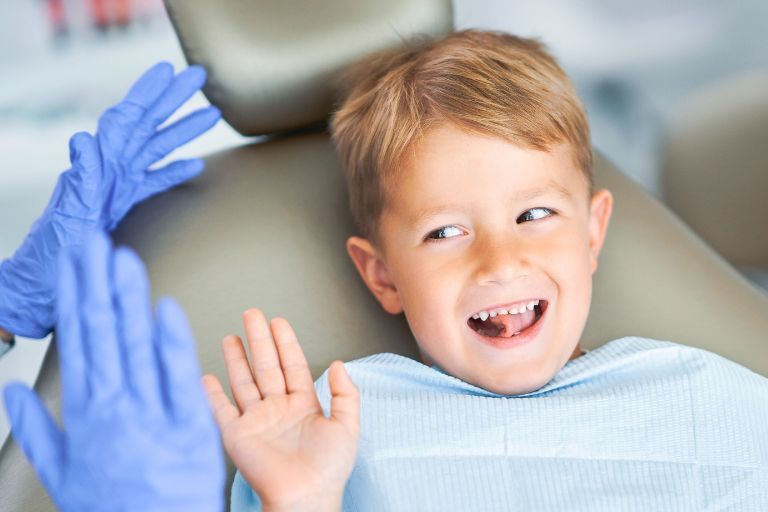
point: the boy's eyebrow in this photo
(551, 187)
(523, 195)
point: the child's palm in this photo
(290, 437)
(277, 435)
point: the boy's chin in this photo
(510, 386)
(513, 390)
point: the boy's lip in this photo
(507, 305)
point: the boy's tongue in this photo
(506, 325)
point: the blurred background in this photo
(640, 67)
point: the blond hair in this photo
(487, 82)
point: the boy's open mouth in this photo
(506, 323)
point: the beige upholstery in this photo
(265, 226)
(273, 63)
(716, 168)
(659, 279)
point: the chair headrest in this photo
(272, 65)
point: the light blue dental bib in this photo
(636, 424)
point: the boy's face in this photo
(476, 224)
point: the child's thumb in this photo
(345, 398)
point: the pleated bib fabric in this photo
(634, 425)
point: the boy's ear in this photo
(374, 272)
(601, 207)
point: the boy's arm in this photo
(290, 454)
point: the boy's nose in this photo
(500, 262)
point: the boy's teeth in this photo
(483, 315)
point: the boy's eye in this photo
(537, 214)
(451, 231)
(443, 232)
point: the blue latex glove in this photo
(139, 433)
(109, 175)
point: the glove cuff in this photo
(30, 315)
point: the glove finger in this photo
(117, 124)
(98, 321)
(169, 176)
(150, 85)
(135, 317)
(186, 84)
(79, 196)
(174, 136)
(83, 150)
(68, 337)
(36, 433)
(181, 373)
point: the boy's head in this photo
(468, 165)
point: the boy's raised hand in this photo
(138, 432)
(293, 456)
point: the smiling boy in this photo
(469, 171)
(478, 226)
(470, 177)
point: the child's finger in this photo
(224, 412)
(292, 360)
(266, 364)
(239, 373)
(345, 397)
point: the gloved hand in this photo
(138, 432)
(109, 175)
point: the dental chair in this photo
(265, 225)
(715, 170)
